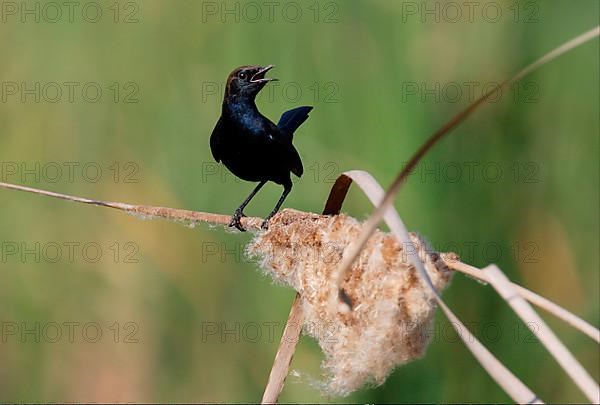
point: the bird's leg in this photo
(286, 190)
(239, 213)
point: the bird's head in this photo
(247, 81)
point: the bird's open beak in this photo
(259, 77)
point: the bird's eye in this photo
(242, 75)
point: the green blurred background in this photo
(184, 315)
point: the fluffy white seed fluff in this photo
(392, 309)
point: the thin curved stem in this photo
(371, 224)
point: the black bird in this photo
(249, 144)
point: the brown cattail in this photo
(392, 309)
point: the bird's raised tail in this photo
(292, 119)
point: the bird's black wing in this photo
(216, 140)
(292, 119)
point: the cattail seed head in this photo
(392, 309)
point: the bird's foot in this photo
(235, 220)
(265, 224)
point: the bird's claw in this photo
(235, 220)
(265, 224)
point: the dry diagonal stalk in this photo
(149, 211)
